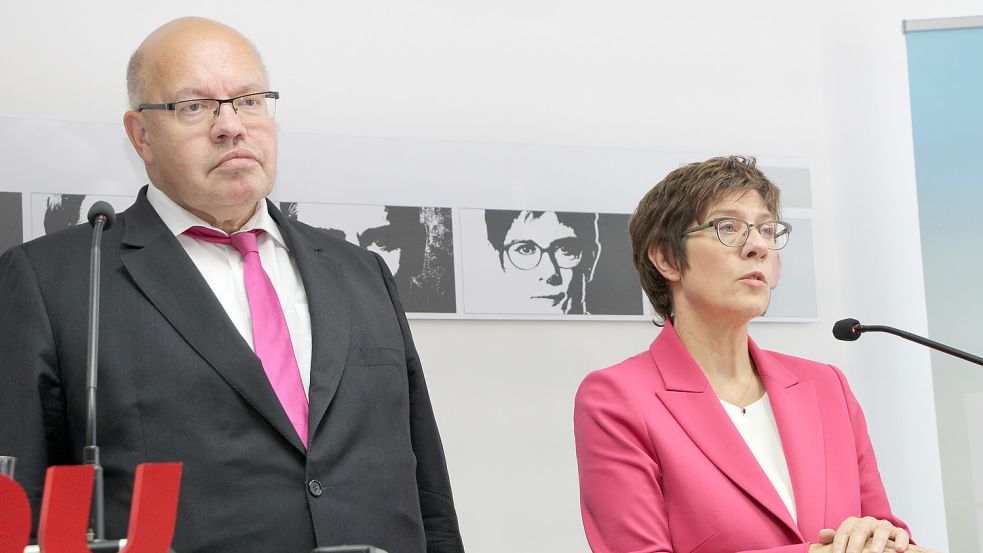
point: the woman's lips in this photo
(756, 278)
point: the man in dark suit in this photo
(330, 439)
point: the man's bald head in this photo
(221, 164)
(161, 44)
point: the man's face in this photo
(366, 226)
(541, 258)
(220, 169)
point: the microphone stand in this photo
(105, 546)
(101, 216)
(925, 342)
(90, 454)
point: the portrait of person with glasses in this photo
(547, 257)
(271, 358)
(704, 441)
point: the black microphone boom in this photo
(101, 217)
(851, 329)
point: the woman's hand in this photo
(890, 546)
(857, 535)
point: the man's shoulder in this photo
(64, 242)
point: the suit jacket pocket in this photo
(377, 357)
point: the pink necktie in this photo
(271, 338)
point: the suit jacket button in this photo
(315, 488)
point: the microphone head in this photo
(102, 209)
(847, 330)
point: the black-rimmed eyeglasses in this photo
(526, 254)
(256, 106)
(733, 232)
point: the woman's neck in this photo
(719, 347)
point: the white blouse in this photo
(757, 426)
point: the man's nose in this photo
(227, 123)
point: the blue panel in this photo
(946, 78)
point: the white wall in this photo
(822, 81)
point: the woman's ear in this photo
(666, 269)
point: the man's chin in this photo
(554, 300)
(242, 188)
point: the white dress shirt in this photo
(758, 428)
(222, 267)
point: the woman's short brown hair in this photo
(682, 200)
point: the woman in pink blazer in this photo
(706, 443)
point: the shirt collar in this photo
(177, 219)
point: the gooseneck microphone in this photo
(101, 217)
(851, 329)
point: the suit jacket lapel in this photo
(797, 415)
(330, 311)
(169, 279)
(694, 405)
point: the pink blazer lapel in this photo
(799, 421)
(694, 405)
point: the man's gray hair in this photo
(135, 80)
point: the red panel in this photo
(154, 510)
(65, 509)
(15, 517)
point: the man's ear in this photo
(666, 269)
(139, 135)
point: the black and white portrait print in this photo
(11, 220)
(415, 242)
(546, 262)
(615, 288)
(53, 212)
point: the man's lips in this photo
(237, 159)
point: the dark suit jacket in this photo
(178, 383)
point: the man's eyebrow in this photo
(379, 232)
(190, 93)
(195, 93)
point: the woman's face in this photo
(542, 255)
(729, 283)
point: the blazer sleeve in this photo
(621, 495)
(32, 402)
(433, 482)
(873, 498)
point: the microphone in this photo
(851, 329)
(101, 216)
(847, 330)
(104, 212)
